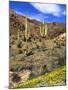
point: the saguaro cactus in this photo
(27, 34)
(27, 30)
(43, 29)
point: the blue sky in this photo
(40, 11)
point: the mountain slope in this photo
(18, 21)
(39, 55)
(56, 77)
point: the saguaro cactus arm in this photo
(41, 32)
(18, 34)
(45, 29)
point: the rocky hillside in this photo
(49, 79)
(18, 21)
(39, 55)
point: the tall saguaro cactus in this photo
(43, 29)
(27, 30)
(27, 34)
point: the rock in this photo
(25, 74)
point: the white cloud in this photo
(53, 9)
(39, 17)
(18, 12)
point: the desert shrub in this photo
(54, 78)
(20, 52)
(19, 45)
(16, 68)
(15, 77)
(29, 52)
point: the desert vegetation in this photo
(37, 52)
(54, 78)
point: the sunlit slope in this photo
(53, 78)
